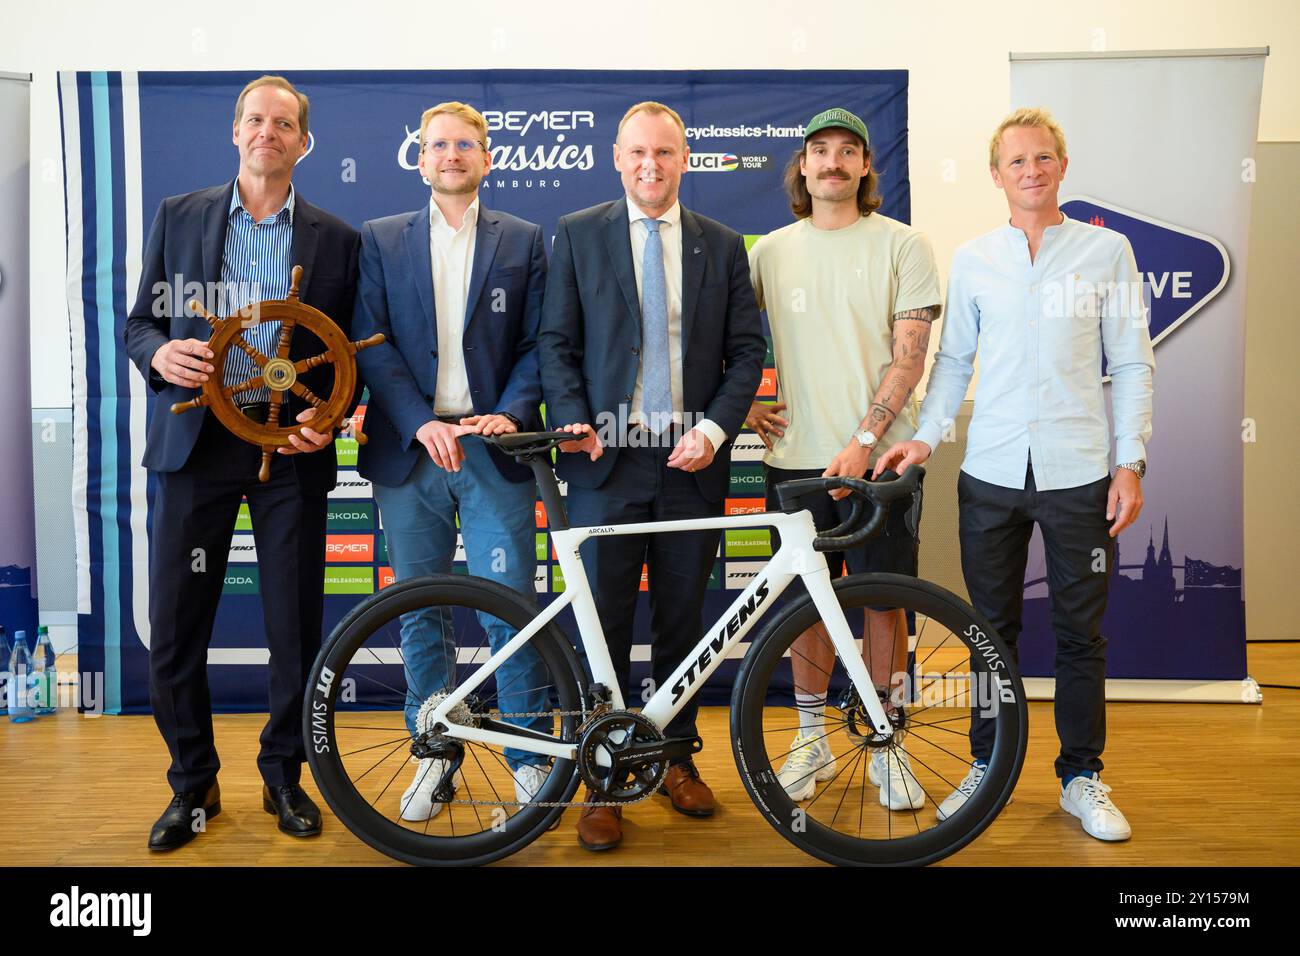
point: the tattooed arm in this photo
(911, 335)
(911, 340)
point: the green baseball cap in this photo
(837, 116)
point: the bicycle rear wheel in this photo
(359, 741)
(838, 809)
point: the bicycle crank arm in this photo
(655, 750)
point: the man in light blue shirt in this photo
(1044, 299)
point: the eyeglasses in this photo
(460, 145)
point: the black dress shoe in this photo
(176, 827)
(298, 815)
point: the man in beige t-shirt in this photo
(850, 297)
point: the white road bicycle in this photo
(361, 752)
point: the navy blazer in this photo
(591, 333)
(185, 246)
(499, 343)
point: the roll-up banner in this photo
(1161, 148)
(18, 606)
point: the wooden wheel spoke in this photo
(258, 358)
(245, 386)
(273, 414)
(307, 364)
(287, 326)
(307, 395)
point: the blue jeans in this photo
(498, 525)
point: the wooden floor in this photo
(1201, 784)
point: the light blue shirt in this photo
(1041, 330)
(255, 267)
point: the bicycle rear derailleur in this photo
(623, 757)
(430, 741)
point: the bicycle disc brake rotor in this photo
(858, 724)
(609, 762)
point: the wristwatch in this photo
(514, 421)
(1138, 467)
(866, 439)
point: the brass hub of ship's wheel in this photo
(279, 373)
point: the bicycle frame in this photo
(795, 558)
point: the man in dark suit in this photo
(650, 333)
(456, 289)
(239, 241)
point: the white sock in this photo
(812, 714)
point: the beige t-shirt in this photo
(831, 297)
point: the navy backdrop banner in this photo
(131, 139)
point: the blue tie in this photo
(656, 390)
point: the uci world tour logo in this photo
(1181, 270)
(712, 162)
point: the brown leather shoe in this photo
(600, 828)
(690, 795)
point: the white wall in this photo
(956, 52)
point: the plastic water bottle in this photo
(47, 675)
(20, 669)
(5, 651)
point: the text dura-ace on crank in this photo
(623, 757)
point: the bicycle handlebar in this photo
(879, 494)
(534, 448)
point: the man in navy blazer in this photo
(229, 246)
(651, 351)
(456, 289)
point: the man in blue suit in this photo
(240, 240)
(456, 289)
(650, 334)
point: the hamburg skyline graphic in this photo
(1191, 626)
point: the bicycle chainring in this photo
(606, 760)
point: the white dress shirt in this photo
(1042, 328)
(670, 234)
(452, 254)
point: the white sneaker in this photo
(417, 800)
(1086, 798)
(891, 770)
(810, 762)
(965, 790)
(529, 781)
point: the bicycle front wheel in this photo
(404, 649)
(821, 775)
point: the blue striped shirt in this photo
(255, 267)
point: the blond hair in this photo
(1027, 116)
(278, 82)
(460, 110)
(653, 108)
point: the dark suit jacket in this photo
(185, 246)
(499, 343)
(591, 333)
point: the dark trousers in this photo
(641, 488)
(192, 524)
(995, 527)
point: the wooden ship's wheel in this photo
(280, 373)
